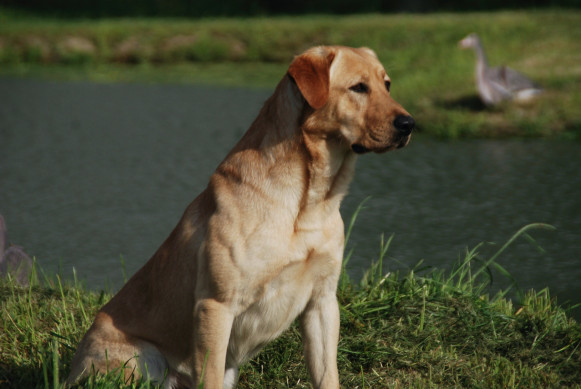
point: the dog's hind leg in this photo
(105, 349)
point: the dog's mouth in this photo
(358, 148)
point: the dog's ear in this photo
(310, 71)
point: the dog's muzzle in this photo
(403, 125)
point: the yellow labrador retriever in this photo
(263, 244)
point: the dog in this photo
(263, 243)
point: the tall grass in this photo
(420, 329)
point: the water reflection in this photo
(439, 198)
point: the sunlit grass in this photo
(418, 329)
(431, 77)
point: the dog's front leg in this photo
(320, 329)
(213, 322)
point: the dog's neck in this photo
(329, 164)
(331, 169)
(277, 136)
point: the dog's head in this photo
(349, 92)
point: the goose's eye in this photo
(360, 88)
(388, 85)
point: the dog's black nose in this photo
(404, 124)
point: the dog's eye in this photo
(388, 85)
(360, 88)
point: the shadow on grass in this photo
(469, 102)
(21, 376)
(573, 127)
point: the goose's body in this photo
(497, 84)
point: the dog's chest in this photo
(281, 300)
(281, 276)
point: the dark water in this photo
(92, 173)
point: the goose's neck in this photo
(481, 60)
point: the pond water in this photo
(96, 175)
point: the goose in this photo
(497, 84)
(14, 260)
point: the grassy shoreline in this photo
(432, 78)
(436, 330)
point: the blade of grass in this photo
(509, 242)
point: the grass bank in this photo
(432, 78)
(436, 329)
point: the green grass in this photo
(432, 78)
(419, 330)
